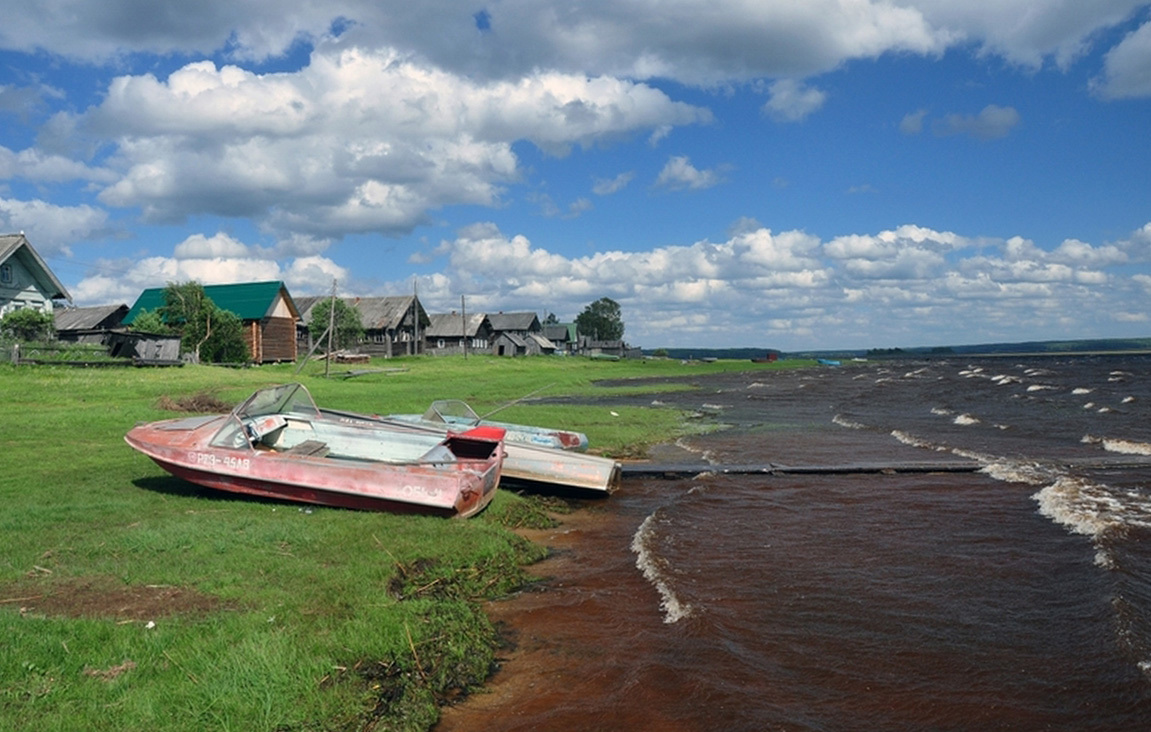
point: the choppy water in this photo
(1017, 597)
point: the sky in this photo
(790, 174)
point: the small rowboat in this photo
(532, 459)
(454, 413)
(279, 444)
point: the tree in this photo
(349, 326)
(225, 342)
(601, 320)
(205, 330)
(27, 324)
(150, 321)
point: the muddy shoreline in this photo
(548, 670)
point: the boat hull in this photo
(528, 465)
(459, 478)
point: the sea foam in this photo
(1126, 447)
(845, 422)
(654, 569)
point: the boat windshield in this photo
(291, 399)
(287, 399)
(451, 411)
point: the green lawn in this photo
(131, 600)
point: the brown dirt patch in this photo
(202, 403)
(102, 597)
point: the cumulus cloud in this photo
(210, 260)
(40, 167)
(992, 123)
(52, 229)
(912, 124)
(679, 174)
(793, 287)
(1127, 67)
(608, 186)
(357, 141)
(792, 101)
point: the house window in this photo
(6, 274)
(440, 343)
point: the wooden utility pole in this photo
(464, 326)
(331, 328)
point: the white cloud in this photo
(792, 101)
(218, 259)
(40, 167)
(357, 141)
(992, 122)
(52, 229)
(1127, 67)
(199, 246)
(608, 186)
(793, 290)
(912, 124)
(679, 174)
(1027, 32)
(704, 42)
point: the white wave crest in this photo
(1040, 387)
(1082, 506)
(1081, 390)
(965, 420)
(1128, 400)
(1004, 379)
(909, 439)
(1126, 447)
(844, 422)
(1011, 471)
(940, 411)
(654, 569)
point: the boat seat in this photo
(312, 448)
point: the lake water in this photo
(1015, 597)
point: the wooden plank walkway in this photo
(682, 470)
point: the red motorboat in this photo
(279, 444)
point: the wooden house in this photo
(25, 279)
(449, 334)
(518, 334)
(393, 326)
(509, 344)
(266, 310)
(564, 336)
(88, 324)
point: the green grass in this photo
(131, 600)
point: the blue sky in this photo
(793, 175)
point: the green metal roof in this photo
(248, 300)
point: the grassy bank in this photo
(130, 600)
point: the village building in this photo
(455, 334)
(267, 311)
(25, 279)
(393, 326)
(518, 334)
(88, 324)
(564, 336)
